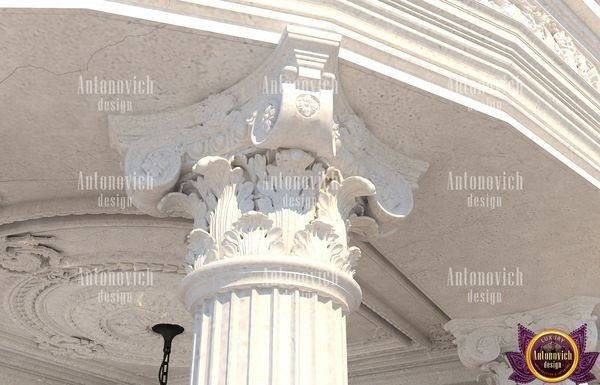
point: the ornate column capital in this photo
(293, 101)
(481, 342)
(278, 218)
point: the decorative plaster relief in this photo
(27, 253)
(67, 318)
(543, 25)
(287, 103)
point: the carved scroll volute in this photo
(478, 348)
(152, 174)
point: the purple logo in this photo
(552, 356)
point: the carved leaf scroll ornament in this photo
(27, 253)
(282, 202)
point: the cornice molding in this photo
(429, 312)
(547, 29)
(580, 18)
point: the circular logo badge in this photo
(552, 356)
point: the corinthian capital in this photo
(271, 203)
(293, 101)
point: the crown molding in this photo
(545, 27)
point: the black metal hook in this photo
(168, 331)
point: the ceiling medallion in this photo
(68, 317)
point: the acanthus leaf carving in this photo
(283, 202)
(201, 249)
(183, 205)
(253, 234)
(318, 240)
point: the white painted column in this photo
(270, 290)
(276, 325)
(274, 181)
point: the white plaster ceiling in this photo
(49, 134)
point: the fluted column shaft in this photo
(270, 321)
(269, 336)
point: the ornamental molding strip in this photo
(547, 29)
(481, 342)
